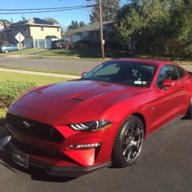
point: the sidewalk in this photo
(40, 73)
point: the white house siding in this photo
(42, 43)
(28, 43)
(75, 38)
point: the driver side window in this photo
(168, 72)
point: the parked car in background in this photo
(61, 44)
(8, 48)
(77, 127)
(3, 42)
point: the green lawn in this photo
(37, 79)
(60, 53)
(89, 54)
(2, 115)
(26, 51)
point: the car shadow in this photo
(40, 175)
(34, 172)
(2, 122)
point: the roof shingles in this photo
(36, 21)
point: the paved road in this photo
(165, 165)
(54, 65)
(49, 65)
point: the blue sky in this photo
(64, 18)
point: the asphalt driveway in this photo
(165, 165)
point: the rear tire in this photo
(189, 111)
(128, 142)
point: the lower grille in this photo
(34, 129)
(28, 149)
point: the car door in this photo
(182, 78)
(168, 101)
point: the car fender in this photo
(135, 108)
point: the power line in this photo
(46, 8)
(42, 10)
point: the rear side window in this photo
(181, 72)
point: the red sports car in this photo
(79, 126)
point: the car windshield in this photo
(123, 72)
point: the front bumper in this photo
(58, 157)
(51, 169)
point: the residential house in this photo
(38, 33)
(90, 33)
(3, 24)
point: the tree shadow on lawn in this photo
(82, 53)
(91, 53)
(95, 53)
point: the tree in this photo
(185, 30)
(73, 25)
(81, 24)
(130, 24)
(156, 26)
(109, 8)
(51, 19)
(76, 25)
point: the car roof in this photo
(145, 61)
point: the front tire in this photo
(128, 142)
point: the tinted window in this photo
(168, 72)
(107, 70)
(130, 73)
(181, 72)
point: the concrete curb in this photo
(40, 73)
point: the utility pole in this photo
(101, 28)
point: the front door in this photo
(168, 101)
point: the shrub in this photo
(10, 91)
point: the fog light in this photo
(85, 146)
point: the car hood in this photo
(72, 100)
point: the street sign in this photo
(19, 37)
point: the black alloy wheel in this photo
(128, 142)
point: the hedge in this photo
(11, 90)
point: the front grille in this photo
(34, 129)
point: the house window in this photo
(42, 28)
(58, 29)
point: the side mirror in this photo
(168, 83)
(83, 74)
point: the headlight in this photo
(91, 125)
